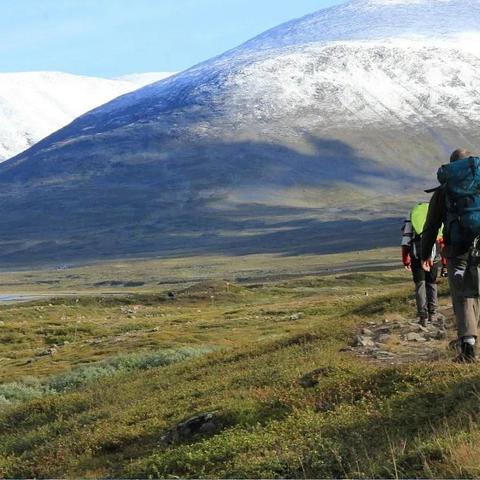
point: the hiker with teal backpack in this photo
(456, 204)
(426, 291)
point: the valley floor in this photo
(99, 385)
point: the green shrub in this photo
(31, 388)
(27, 389)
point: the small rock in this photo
(383, 330)
(415, 337)
(295, 316)
(2, 322)
(49, 351)
(362, 341)
(384, 354)
(431, 335)
(367, 332)
(385, 337)
(421, 328)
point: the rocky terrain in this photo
(401, 340)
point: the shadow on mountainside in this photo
(310, 237)
(92, 204)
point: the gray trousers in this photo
(464, 290)
(426, 291)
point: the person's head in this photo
(460, 154)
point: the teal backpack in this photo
(461, 182)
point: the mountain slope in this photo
(336, 117)
(142, 79)
(35, 104)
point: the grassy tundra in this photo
(93, 383)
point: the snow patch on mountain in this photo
(374, 20)
(361, 83)
(36, 104)
(318, 86)
(353, 55)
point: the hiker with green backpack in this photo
(456, 204)
(425, 282)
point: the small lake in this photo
(17, 298)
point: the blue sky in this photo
(114, 37)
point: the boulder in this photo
(202, 424)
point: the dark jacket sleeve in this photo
(435, 217)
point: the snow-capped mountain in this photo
(36, 104)
(342, 115)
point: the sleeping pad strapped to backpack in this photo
(418, 217)
(461, 181)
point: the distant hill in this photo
(295, 141)
(36, 104)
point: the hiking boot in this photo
(423, 321)
(467, 354)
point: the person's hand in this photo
(406, 259)
(427, 265)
